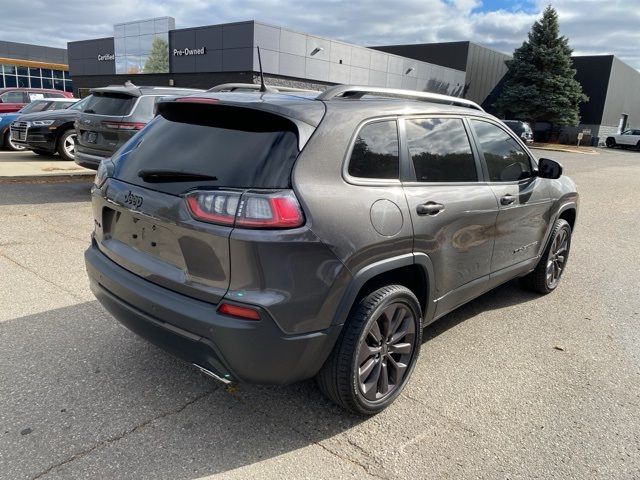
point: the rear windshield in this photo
(240, 147)
(113, 104)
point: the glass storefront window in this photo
(34, 77)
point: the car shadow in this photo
(505, 295)
(81, 394)
(44, 190)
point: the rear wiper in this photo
(157, 176)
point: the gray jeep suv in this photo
(275, 236)
(113, 115)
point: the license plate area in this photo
(141, 234)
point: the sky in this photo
(592, 26)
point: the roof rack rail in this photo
(356, 91)
(231, 87)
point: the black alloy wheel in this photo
(385, 352)
(376, 352)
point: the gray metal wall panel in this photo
(237, 35)
(623, 95)
(237, 59)
(85, 57)
(293, 65)
(36, 53)
(447, 54)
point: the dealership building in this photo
(613, 87)
(154, 52)
(34, 66)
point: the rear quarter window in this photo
(375, 152)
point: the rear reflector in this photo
(240, 312)
(249, 210)
(124, 125)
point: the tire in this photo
(555, 257)
(8, 143)
(638, 146)
(44, 153)
(66, 145)
(610, 142)
(361, 351)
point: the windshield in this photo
(35, 106)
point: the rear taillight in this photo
(249, 210)
(124, 125)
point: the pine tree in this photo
(158, 61)
(541, 84)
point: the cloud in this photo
(593, 26)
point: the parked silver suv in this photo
(275, 236)
(113, 115)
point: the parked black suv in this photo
(114, 115)
(272, 237)
(50, 131)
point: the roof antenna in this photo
(263, 87)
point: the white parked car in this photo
(626, 139)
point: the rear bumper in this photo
(87, 160)
(240, 350)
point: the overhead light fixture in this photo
(316, 50)
(409, 70)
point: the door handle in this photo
(507, 199)
(429, 208)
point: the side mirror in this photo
(549, 169)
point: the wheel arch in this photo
(414, 271)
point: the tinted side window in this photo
(53, 95)
(440, 150)
(375, 152)
(505, 159)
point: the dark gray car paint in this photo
(306, 280)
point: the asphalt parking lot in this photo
(512, 385)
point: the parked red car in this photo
(13, 99)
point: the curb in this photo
(566, 150)
(55, 178)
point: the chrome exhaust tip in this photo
(215, 376)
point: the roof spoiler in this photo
(356, 91)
